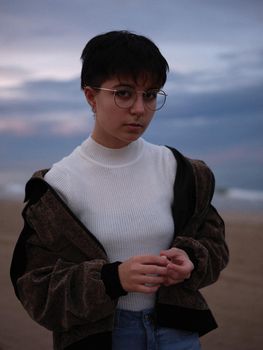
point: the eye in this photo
(124, 93)
(150, 95)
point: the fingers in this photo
(147, 273)
(143, 273)
(177, 272)
(174, 254)
(151, 279)
(151, 270)
(179, 267)
(151, 260)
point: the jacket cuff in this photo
(111, 280)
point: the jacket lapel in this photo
(184, 192)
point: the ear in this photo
(90, 97)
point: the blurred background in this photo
(214, 109)
(214, 112)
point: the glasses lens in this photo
(124, 97)
(153, 99)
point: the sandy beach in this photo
(236, 299)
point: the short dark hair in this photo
(122, 53)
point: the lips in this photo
(134, 127)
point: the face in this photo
(116, 127)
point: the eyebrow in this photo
(132, 86)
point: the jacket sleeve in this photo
(57, 266)
(204, 241)
(59, 293)
(203, 237)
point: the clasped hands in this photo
(146, 273)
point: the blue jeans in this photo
(137, 331)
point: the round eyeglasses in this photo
(124, 97)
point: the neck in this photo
(113, 144)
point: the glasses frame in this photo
(160, 92)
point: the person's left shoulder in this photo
(160, 152)
(162, 161)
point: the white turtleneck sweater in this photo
(124, 197)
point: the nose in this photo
(138, 106)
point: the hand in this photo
(143, 274)
(179, 266)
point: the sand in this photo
(236, 299)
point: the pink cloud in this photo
(16, 126)
(53, 126)
(71, 127)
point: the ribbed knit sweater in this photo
(124, 197)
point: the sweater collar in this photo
(110, 157)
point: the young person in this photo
(120, 235)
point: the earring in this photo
(93, 111)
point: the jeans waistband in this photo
(138, 317)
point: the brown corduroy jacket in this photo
(62, 276)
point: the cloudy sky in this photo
(214, 109)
